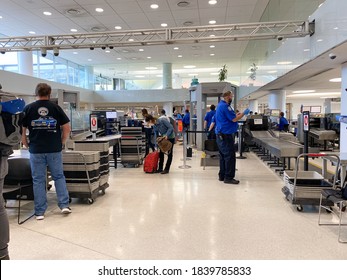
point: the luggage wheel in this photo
(90, 201)
(299, 208)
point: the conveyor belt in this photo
(322, 134)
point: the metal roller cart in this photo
(304, 187)
(82, 173)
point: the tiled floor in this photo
(186, 214)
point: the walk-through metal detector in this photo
(198, 106)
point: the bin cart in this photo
(304, 187)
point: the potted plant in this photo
(223, 73)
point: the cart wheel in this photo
(299, 208)
(90, 201)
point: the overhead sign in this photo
(93, 123)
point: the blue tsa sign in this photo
(93, 123)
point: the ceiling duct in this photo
(188, 23)
(74, 12)
(98, 29)
(183, 4)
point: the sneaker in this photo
(66, 210)
(40, 217)
(231, 181)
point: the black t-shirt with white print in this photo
(43, 118)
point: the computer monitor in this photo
(275, 112)
(257, 123)
(111, 115)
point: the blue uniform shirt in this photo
(224, 119)
(283, 121)
(208, 117)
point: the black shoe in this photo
(164, 172)
(231, 181)
(221, 179)
(159, 171)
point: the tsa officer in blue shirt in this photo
(208, 120)
(226, 126)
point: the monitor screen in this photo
(111, 115)
(275, 112)
(315, 109)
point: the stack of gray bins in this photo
(82, 173)
(132, 146)
(103, 148)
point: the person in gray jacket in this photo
(163, 128)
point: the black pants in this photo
(149, 143)
(227, 158)
(169, 157)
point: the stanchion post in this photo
(240, 141)
(184, 166)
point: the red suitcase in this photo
(150, 164)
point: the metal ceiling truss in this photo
(147, 37)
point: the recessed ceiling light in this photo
(119, 58)
(89, 59)
(99, 10)
(149, 57)
(73, 30)
(75, 52)
(284, 62)
(176, 48)
(212, 2)
(212, 22)
(141, 50)
(154, 6)
(108, 51)
(306, 50)
(320, 40)
(335, 80)
(189, 66)
(0, 17)
(32, 32)
(180, 55)
(118, 27)
(212, 46)
(47, 13)
(212, 35)
(151, 68)
(131, 40)
(211, 54)
(336, 28)
(164, 24)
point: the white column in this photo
(167, 75)
(343, 126)
(25, 63)
(277, 100)
(89, 77)
(168, 107)
(327, 105)
(253, 105)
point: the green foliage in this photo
(223, 73)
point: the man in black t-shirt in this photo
(49, 128)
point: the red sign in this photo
(93, 123)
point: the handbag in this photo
(164, 144)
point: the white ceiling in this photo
(19, 17)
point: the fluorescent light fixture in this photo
(212, 2)
(189, 66)
(214, 74)
(99, 10)
(193, 74)
(212, 22)
(154, 6)
(164, 24)
(139, 76)
(47, 13)
(118, 27)
(151, 68)
(284, 62)
(317, 94)
(335, 80)
(304, 91)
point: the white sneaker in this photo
(66, 210)
(39, 218)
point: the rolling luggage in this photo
(151, 162)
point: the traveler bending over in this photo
(49, 129)
(163, 128)
(148, 133)
(226, 127)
